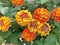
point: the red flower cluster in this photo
(42, 15)
(56, 14)
(17, 2)
(27, 35)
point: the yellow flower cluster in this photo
(44, 29)
(23, 17)
(33, 25)
(5, 23)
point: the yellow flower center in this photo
(1, 23)
(24, 15)
(33, 24)
(44, 28)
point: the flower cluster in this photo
(27, 35)
(44, 29)
(36, 24)
(56, 14)
(23, 17)
(5, 23)
(17, 2)
(42, 15)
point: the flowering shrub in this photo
(30, 22)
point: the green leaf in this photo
(56, 30)
(59, 38)
(34, 43)
(51, 21)
(56, 1)
(5, 3)
(1, 33)
(57, 43)
(1, 40)
(51, 39)
(27, 43)
(20, 43)
(12, 12)
(13, 38)
(57, 24)
(29, 1)
(11, 15)
(50, 7)
(32, 8)
(39, 42)
(17, 27)
(43, 1)
(37, 1)
(4, 10)
(6, 34)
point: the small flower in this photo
(23, 17)
(56, 14)
(44, 29)
(28, 36)
(32, 26)
(42, 15)
(5, 23)
(18, 2)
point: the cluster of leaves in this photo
(14, 33)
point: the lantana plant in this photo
(30, 22)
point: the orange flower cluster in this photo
(56, 14)
(17, 2)
(27, 35)
(42, 15)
